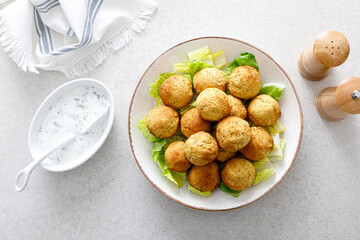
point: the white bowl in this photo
(142, 103)
(43, 109)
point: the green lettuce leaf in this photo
(277, 151)
(264, 170)
(279, 127)
(187, 76)
(229, 191)
(275, 90)
(158, 153)
(198, 59)
(282, 144)
(276, 139)
(219, 59)
(155, 87)
(262, 164)
(145, 131)
(199, 53)
(188, 107)
(277, 155)
(182, 68)
(189, 69)
(198, 192)
(203, 54)
(245, 59)
(197, 66)
(263, 175)
(276, 128)
(179, 178)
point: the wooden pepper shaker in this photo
(335, 103)
(330, 49)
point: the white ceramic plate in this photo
(142, 103)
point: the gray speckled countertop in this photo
(109, 198)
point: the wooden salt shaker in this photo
(330, 49)
(335, 103)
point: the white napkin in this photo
(71, 36)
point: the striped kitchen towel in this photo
(69, 36)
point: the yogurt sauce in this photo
(71, 112)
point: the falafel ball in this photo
(201, 148)
(224, 155)
(175, 157)
(204, 178)
(213, 104)
(162, 121)
(264, 110)
(209, 78)
(238, 109)
(260, 145)
(176, 91)
(233, 133)
(191, 122)
(238, 174)
(244, 82)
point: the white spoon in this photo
(29, 168)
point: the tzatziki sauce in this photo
(69, 114)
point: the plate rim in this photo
(298, 144)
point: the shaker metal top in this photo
(356, 94)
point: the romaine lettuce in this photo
(264, 170)
(229, 191)
(276, 139)
(179, 178)
(282, 144)
(203, 54)
(197, 66)
(187, 76)
(158, 153)
(199, 53)
(219, 59)
(182, 68)
(187, 108)
(276, 128)
(198, 192)
(245, 59)
(273, 89)
(155, 87)
(276, 153)
(262, 164)
(190, 68)
(263, 175)
(145, 131)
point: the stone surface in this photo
(109, 198)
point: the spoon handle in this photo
(19, 186)
(29, 168)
